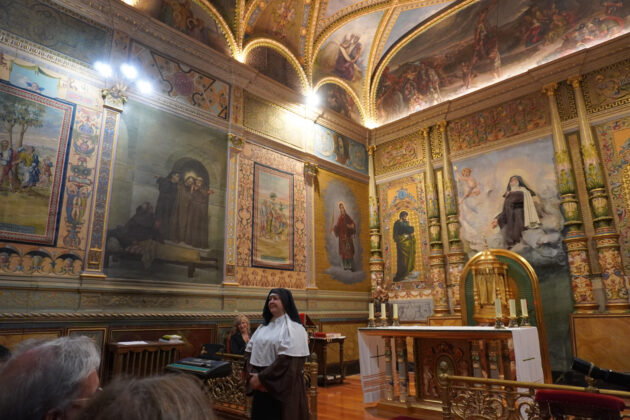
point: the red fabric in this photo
(577, 398)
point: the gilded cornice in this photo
(341, 125)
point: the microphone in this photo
(606, 375)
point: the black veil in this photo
(287, 302)
(521, 184)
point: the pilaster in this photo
(576, 241)
(436, 258)
(236, 144)
(606, 237)
(376, 257)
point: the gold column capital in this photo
(550, 89)
(237, 142)
(575, 81)
(442, 125)
(425, 132)
(371, 149)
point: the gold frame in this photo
(540, 319)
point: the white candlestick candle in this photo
(371, 309)
(512, 303)
(395, 311)
(524, 307)
(497, 307)
(383, 311)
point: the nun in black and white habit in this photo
(274, 361)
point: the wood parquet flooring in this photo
(344, 402)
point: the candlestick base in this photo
(371, 323)
(383, 322)
(513, 323)
(396, 322)
(499, 325)
(525, 322)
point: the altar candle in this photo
(371, 307)
(497, 307)
(395, 311)
(524, 307)
(512, 308)
(383, 311)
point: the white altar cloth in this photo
(372, 355)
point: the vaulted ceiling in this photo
(375, 61)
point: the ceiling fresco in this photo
(393, 57)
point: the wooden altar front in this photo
(485, 352)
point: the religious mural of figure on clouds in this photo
(519, 212)
(344, 230)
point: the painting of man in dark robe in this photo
(344, 230)
(405, 246)
(166, 200)
(519, 212)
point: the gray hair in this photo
(44, 376)
(173, 397)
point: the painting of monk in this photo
(405, 247)
(167, 211)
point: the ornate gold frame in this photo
(542, 333)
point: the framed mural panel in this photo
(34, 139)
(341, 258)
(339, 149)
(167, 211)
(272, 226)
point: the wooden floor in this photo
(344, 402)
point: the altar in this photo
(508, 353)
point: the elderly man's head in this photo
(49, 380)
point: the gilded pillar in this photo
(236, 144)
(436, 257)
(376, 258)
(575, 241)
(606, 237)
(114, 99)
(310, 176)
(456, 256)
(389, 373)
(403, 371)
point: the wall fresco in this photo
(405, 195)
(341, 258)
(167, 207)
(608, 87)
(404, 152)
(182, 83)
(488, 41)
(84, 41)
(273, 121)
(339, 149)
(336, 98)
(246, 275)
(506, 120)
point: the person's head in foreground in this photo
(49, 380)
(166, 397)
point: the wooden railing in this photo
(228, 394)
(142, 358)
(466, 397)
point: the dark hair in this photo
(173, 397)
(5, 353)
(403, 214)
(521, 183)
(287, 301)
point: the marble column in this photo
(376, 257)
(575, 240)
(236, 144)
(456, 256)
(436, 258)
(606, 237)
(114, 99)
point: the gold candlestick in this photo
(499, 324)
(513, 323)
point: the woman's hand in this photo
(255, 383)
